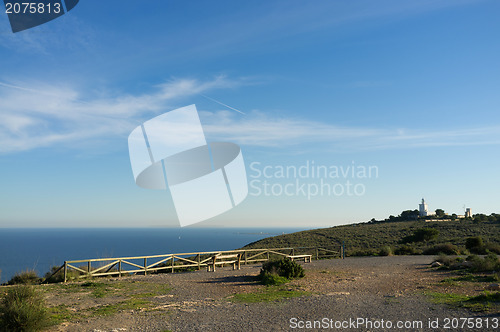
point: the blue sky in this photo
(409, 87)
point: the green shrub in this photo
(23, 310)
(477, 246)
(363, 252)
(473, 258)
(407, 250)
(421, 235)
(486, 297)
(473, 242)
(479, 250)
(59, 276)
(269, 279)
(28, 277)
(447, 261)
(443, 248)
(385, 251)
(493, 247)
(285, 268)
(486, 264)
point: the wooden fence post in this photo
(65, 271)
(145, 266)
(89, 268)
(198, 259)
(317, 256)
(119, 268)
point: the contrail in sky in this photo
(18, 87)
(45, 93)
(218, 102)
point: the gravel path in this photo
(340, 291)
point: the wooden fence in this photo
(87, 268)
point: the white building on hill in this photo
(423, 209)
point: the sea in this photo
(24, 249)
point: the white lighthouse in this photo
(423, 209)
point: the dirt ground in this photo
(367, 290)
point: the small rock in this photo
(436, 264)
(493, 287)
(338, 293)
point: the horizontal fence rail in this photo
(87, 268)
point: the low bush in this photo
(486, 297)
(493, 248)
(58, 277)
(421, 235)
(473, 242)
(284, 268)
(478, 250)
(486, 264)
(363, 252)
(23, 310)
(269, 279)
(483, 249)
(449, 262)
(443, 248)
(28, 277)
(407, 250)
(385, 251)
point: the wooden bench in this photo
(220, 259)
(306, 258)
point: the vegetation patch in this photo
(483, 303)
(477, 246)
(269, 294)
(98, 289)
(366, 239)
(407, 250)
(472, 263)
(28, 277)
(485, 264)
(111, 309)
(385, 251)
(474, 278)
(60, 314)
(23, 309)
(421, 235)
(278, 272)
(55, 276)
(269, 279)
(447, 298)
(442, 248)
(106, 298)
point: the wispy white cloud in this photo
(53, 115)
(259, 129)
(45, 115)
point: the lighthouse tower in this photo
(423, 209)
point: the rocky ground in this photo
(393, 289)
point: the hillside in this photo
(369, 238)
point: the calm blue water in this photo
(39, 249)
